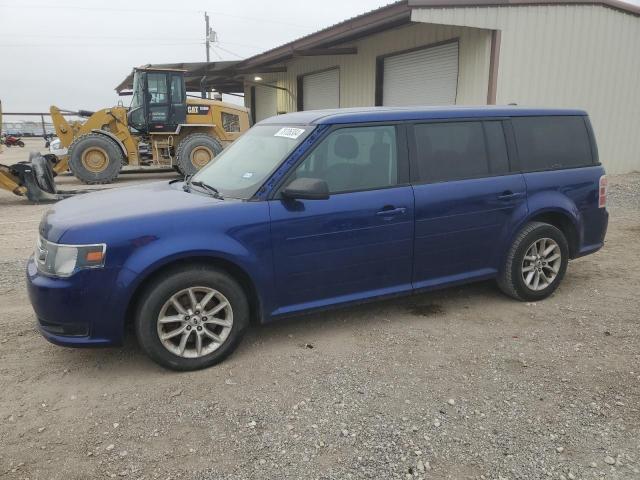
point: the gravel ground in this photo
(462, 383)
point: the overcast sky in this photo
(72, 53)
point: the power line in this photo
(129, 45)
(155, 10)
(105, 37)
(242, 45)
(229, 52)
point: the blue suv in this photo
(312, 210)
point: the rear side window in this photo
(458, 150)
(548, 143)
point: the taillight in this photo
(602, 192)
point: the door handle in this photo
(509, 195)
(391, 211)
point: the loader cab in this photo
(159, 101)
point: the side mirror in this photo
(307, 189)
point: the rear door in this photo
(466, 199)
(178, 110)
(265, 102)
(427, 76)
(359, 242)
(321, 90)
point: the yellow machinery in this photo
(181, 132)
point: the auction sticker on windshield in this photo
(289, 132)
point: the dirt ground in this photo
(460, 383)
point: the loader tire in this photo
(195, 151)
(43, 172)
(95, 158)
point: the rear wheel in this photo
(195, 151)
(95, 158)
(192, 318)
(535, 263)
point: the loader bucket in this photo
(36, 176)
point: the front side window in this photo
(177, 95)
(458, 150)
(352, 159)
(157, 88)
(136, 110)
(547, 143)
(241, 169)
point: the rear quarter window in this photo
(549, 143)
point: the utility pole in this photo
(206, 33)
(210, 36)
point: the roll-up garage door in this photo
(423, 77)
(321, 90)
(266, 102)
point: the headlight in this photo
(64, 260)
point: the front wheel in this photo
(535, 263)
(20, 143)
(192, 318)
(95, 158)
(195, 151)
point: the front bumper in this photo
(77, 311)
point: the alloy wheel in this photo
(195, 322)
(541, 264)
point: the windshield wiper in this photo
(213, 190)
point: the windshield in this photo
(136, 101)
(136, 112)
(241, 169)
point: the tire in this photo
(95, 158)
(20, 143)
(43, 173)
(518, 275)
(155, 303)
(193, 150)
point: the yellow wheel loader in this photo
(181, 132)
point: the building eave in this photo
(618, 5)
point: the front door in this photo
(159, 104)
(466, 200)
(359, 242)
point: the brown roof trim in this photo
(613, 4)
(383, 18)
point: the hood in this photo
(100, 214)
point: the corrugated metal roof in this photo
(613, 4)
(388, 16)
(219, 75)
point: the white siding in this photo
(567, 56)
(424, 77)
(358, 72)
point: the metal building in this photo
(557, 53)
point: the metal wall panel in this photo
(583, 56)
(423, 77)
